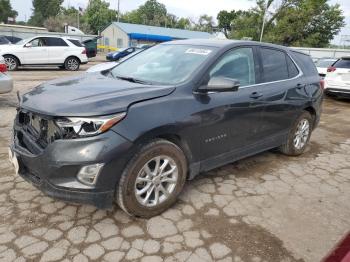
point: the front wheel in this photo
(72, 64)
(152, 179)
(11, 62)
(298, 136)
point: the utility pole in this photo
(78, 19)
(118, 15)
(263, 23)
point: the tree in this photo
(205, 23)
(183, 23)
(226, 20)
(98, 15)
(44, 9)
(311, 23)
(6, 11)
(153, 13)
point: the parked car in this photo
(337, 81)
(5, 40)
(6, 83)
(323, 64)
(115, 56)
(108, 65)
(136, 133)
(44, 51)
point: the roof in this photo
(23, 26)
(162, 31)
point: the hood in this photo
(101, 67)
(9, 47)
(89, 95)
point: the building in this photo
(24, 32)
(121, 35)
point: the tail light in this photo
(331, 69)
(3, 68)
(84, 52)
(322, 84)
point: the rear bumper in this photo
(341, 92)
(6, 83)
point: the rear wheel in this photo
(152, 179)
(72, 64)
(298, 136)
(11, 62)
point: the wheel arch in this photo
(312, 112)
(74, 56)
(19, 61)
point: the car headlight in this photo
(87, 126)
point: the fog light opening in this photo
(88, 174)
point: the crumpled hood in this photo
(88, 95)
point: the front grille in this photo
(35, 131)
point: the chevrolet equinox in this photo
(135, 133)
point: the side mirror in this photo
(221, 84)
(28, 45)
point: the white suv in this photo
(337, 81)
(64, 52)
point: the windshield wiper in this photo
(133, 80)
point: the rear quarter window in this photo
(342, 63)
(75, 42)
(305, 62)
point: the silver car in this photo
(6, 82)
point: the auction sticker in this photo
(198, 51)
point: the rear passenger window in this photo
(342, 63)
(274, 65)
(292, 69)
(306, 64)
(51, 41)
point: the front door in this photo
(230, 121)
(35, 52)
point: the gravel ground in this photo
(265, 208)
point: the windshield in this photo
(164, 64)
(23, 41)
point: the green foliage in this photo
(44, 9)
(98, 15)
(205, 24)
(311, 23)
(6, 11)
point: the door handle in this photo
(256, 95)
(300, 86)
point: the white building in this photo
(121, 35)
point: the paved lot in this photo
(265, 208)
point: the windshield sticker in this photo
(198, 51)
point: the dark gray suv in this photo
(133, 134)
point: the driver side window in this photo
(236, 64)
(37, 42)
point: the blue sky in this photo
(187, 8)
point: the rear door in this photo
(283, 93)
(57, 49)
(339, 77)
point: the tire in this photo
(139, 204)
(72, 64)
(12, 62)
(292, 147)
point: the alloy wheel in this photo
(72, 64)
(156, 181)
(302, 134)
(11, 63)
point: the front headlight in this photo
(87, 126)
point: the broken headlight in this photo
(87, 126)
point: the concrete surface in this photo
(265, 208)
